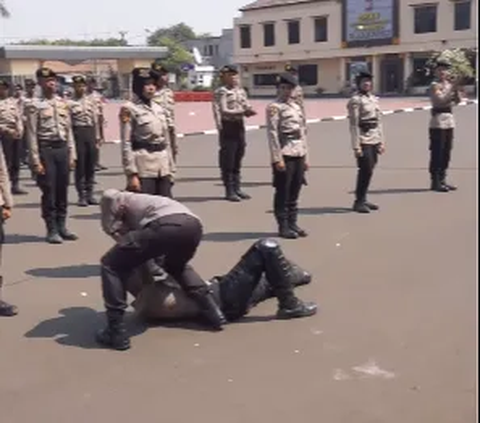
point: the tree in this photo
(179, 33)
(4, 12)
(460, 60)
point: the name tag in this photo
(295, 141)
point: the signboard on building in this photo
(370, 22)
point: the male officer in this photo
(367, 137)
(230, 106)
(98, 100)
(287, 141)
(146, 153)
(166, 98)
(85, 126)
(11, 133)
(30, 87)
(52, 154)
(443, 96)
(6, 203)
(297, 95)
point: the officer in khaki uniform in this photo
(230, 106)
(97, 98)
(29, 95)
(11, 133)
(289, 155)
(146, 153)
(367, 138)
(6, 203)
(52, 154)
(166, 98)
(297, 95)
(443, 96)
(85, 126)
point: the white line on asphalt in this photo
(252, 127)
(409, 109)
(339, 117)
(210, 132)
(313, 120)
(387, 112)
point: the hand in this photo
(280, 166)
(6, 213)
(306, 166)
(134, 183)
(357, 152)
(39, 169)
(72, 164)
(381, 149)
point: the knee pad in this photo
(267, 244)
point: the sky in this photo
(87, 19)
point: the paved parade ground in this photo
(394, 340)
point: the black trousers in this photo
(441, 143)
(54, 183)
(2, 240)
(232, 150)
(175, 238)
(85, 142)
(366, 164)
(157, 186)
(12, 149)
(288, 184)
(24, 153)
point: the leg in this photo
(148, 186)
(90, 159)
(15, 171)
(435, 167)
(373, 163)
(364, 175)
(229, 148)
(61, 192)
(282, 182)
(298, 174)
(6, 309)
(164, 187)
(237, 167)
(80, 169)
(7, 144)
(446, 155)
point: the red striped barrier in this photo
(191, 96)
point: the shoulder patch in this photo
(272, 110)
(125, 114)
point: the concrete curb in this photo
(312, 121)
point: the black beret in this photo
(160, 68)
(18, 87)
(291, 68)
(143, 74)
(79, 79)
(228, 69)
(442, 63)
(4, 83)
(30, 82)
(365, 74)
(287, 78)
(45, 73)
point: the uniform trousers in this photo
(366, 164)
(85, 142)
(232, 151)
(55, 159)
(175, 238)
(2, 240)
(288, 184)
(441, 143)
(12, 149)
(157, 186)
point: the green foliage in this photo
(179, 33)
(461, 61)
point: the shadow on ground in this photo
(76, 326)
(321, 210)
(13, 239)
(397, 191)
(193, 199)
(66, 272)
(252, 184)
(93, 216)
(236, 236)
(198, 179)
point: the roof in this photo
(266, 4)
(77, 53)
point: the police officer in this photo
(52, 154)
(367, 137)
(297, 95)
(230, 106)
(85, 125)
(6, 203)
(146, 154)
(165, 97)
(145, 227)
(29, 95)
(289, 155)
(98, 100)
(443, 96)
(11, 133)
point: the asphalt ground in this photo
(394, 340)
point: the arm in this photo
(72, 150)
(353, 108)
(439, 96)
(31, 130)
(224, 110)
(128, 160)
(216, 110)
(5, 187)
(19, 123)
(272, 134)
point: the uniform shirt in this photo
(363, 107)
(48, 120)
(124, 211)
(10, 118)
(443, 95)
(286, 130)
(6, 199)
(165, 98)
(84, 113)
(98, 101)
(146, 124)
(229, 104)
(298, 97)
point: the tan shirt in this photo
(145, 124)
(165, 98)
(11, 122)
(286, 130)
(48, 120)
(443, 95)
(298, 97)
(98, 101)
(6, 199)
(229, 104)
(361, 108)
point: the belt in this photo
(366, 125)
(290, 136)
(51, 143)
(150, 147)
(74, 127)
(438, 110)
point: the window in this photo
(463, 15)
(308, 75)
(269, 34)
(425, 19)
(321, 29)
(293, 32)
(265, 79)
(245, 37)
(210, 50)
(422, 75)
(216, 49)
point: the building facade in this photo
(331, 40)
(216, 51)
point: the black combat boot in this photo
(209, 308)
(372, 206)
(230, 194)
(6, 309)
(237, 187)
(82, 199)
(292, 222)
(53, 236)
(16, 190)
(284, 230)
(91, 200)
(436, 184)
(443, 181)
(63, 231)
(360, 207)
(114, 336)
(277, 271)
